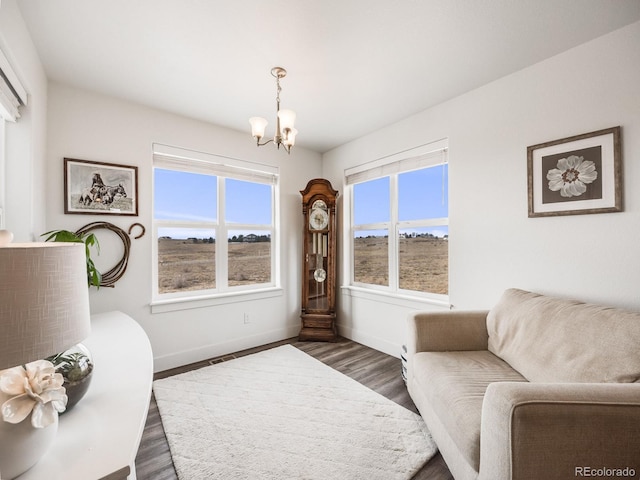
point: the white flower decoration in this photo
(572, 176)
(36, 388)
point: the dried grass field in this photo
(423, 263)
(185, 265)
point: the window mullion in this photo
(248, 226)
(393, 234)
(184, 224)
(348, 255)
(275, 242)
(371, 226)
(222, 240)
(430, 222)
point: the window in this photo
(400, 222)
(214, 224)
(12, 93)
(372, 216)
(248, 205)
(13, 97)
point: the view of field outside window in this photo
(186, 263)
(371, 247)
(186, 206)
(421, 247)
(424, 261)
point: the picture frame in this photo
(576, 175)
(99, 188)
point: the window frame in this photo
(177, 159)
(13, 97)
(424, 156)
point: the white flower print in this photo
(572, 176)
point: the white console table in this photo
(99, 437)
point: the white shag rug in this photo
(282, 414)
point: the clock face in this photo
(320, 275)
(318, 219)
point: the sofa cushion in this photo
(454, 383)
(548, 339)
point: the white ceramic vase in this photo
(22, 445)
(5, 238)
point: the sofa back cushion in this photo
(555, 340)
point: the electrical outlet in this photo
(246, 318)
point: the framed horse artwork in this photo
(100, 188)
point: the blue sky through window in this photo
(422, 195)
(192, 197)
(247, 202)
(184, 196)
(371, 201)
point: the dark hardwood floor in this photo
(378, 371)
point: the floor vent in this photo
(224, 358)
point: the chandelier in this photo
(285, 133)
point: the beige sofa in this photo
(536, 388)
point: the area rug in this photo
(282, 414)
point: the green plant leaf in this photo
(63, 236)
(94, 277)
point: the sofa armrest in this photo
(559, 430)
(447, 331)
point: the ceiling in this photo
(354, 66)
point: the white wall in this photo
(88, 126)
(21, 183)
(493, 244)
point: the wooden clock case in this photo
(318, 314)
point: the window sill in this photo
(395, 298)
(201, 301)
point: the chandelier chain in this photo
(278, 90)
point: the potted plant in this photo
(75, 364)
(89, 239)
(76, 367)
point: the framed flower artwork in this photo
(576, 175)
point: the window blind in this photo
(414, 159)
(12, 94)
(199, 162)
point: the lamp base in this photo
(22, 445)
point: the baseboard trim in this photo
(370, 341)
(186, 357)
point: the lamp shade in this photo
(290, 141)
(287, 119)
(44, 300)
(258, 125)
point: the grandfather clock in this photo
(319, 262)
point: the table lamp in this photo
(44, 310)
